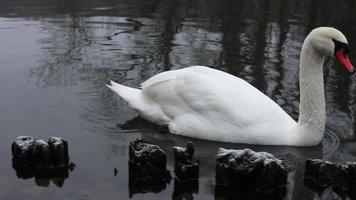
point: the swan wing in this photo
(206, 103)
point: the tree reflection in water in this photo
(84, 44)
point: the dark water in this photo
(56, 56)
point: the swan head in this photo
(331, 42)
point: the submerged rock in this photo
(45, 161)
(320, 175)
(147, 168)
(249, 175)
(184, 167)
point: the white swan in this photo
(209, 104)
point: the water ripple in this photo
(331, 142)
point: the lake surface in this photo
(57, 55)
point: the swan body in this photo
(209, 104)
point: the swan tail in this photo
(132, 96)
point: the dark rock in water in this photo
(185, 168)
(28, 152)
(187, 173)
(42, 154)
(352, 179)
(22, 151)
(184, 190)
(42, 160)
(249, 175)
(143, 153)
(147, 168)
(352, 172)
(182, 154)
(320, 175)
(59, 151)
(321, 172)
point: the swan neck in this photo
(312, 99)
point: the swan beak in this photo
(343, 58)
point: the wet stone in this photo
(184, 167)
(44, 160)
(143, 153)
(320, 175)
(22, 150)
(147, 168)
(41, 154)
(28, 152)
(59, 151)
(352, 179)
(249, 175)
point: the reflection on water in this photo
(185, 189)
(57, 56)
(147, 168)
(226, 193)
(43, 176)
(146, 179)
